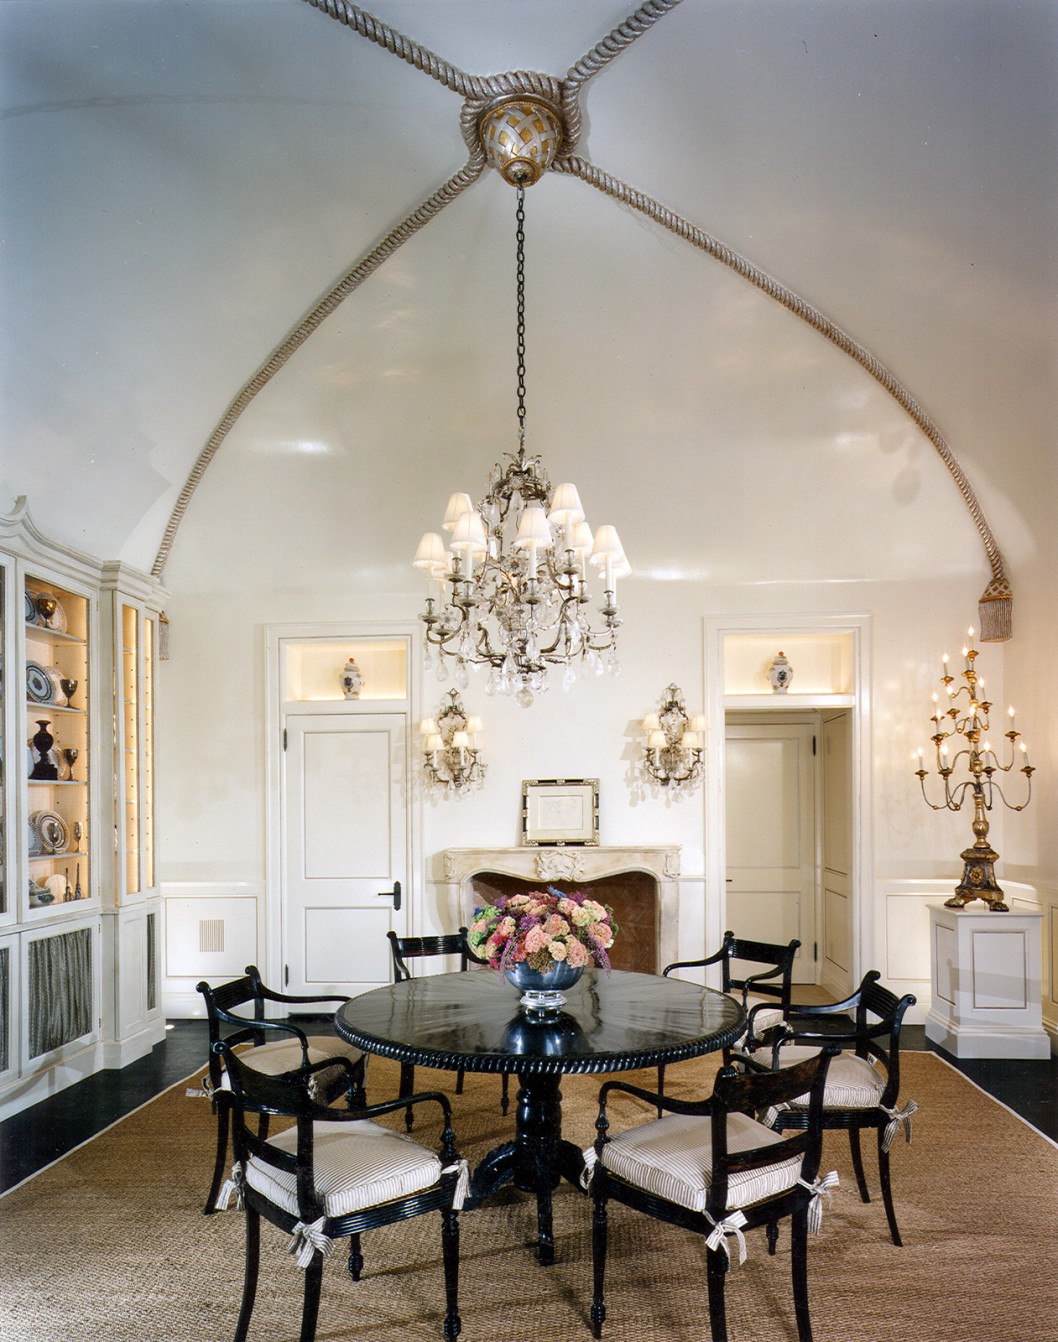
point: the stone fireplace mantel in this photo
(583, 865)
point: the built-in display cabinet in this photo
(78, 895)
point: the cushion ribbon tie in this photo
(820, 1188)
(233, 1187)
(462, 1189)
(590, 1156)
(730, 1225)
(306, 1239)
(898, 1118)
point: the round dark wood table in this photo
(610, 1023)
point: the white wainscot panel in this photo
(210, 937)
(837, 937)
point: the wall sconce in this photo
(451, 761)
(675, 742)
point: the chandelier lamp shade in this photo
(509, 578)
(451, 760)
(970, 769)
(673, 755)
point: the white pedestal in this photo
(987, 984)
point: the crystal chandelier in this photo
(514, 579)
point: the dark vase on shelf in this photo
(44, 770)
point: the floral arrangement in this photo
(543, 928)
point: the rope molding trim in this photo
(996, 602)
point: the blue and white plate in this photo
(40, 688)
(31, 610)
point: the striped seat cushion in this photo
(765, 1019)
(673, 1158)
(358, 1164)
(284, 1055)
(852, 1083)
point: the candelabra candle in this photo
(967, 766)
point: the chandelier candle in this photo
(970, 769)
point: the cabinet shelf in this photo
(43, 634)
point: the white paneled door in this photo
(769, 797)
(346, 847)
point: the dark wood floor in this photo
(35, 1138)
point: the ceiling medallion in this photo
(520, 134)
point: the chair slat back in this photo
(776, 962)
(753, 1092)
(404, 949)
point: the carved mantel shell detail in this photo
(559, 865)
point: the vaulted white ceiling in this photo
(182, 182)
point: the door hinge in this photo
(284, 738)
(286, 976)
(813, 745)
(815, 950)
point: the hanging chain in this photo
(520, 274)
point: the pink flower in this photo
(594, 910)
(536, 939)
(577, 955)
(556, 925)
(601, 934)
(557, 949)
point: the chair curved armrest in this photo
(325, 1113)
(716, 958)
(270, 995)
(250, 1026)
(655, 1100)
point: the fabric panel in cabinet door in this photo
(346, 840)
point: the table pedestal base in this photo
(535, 1161)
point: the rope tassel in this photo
(898, 1118)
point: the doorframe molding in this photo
(273, 637)
(717, 702)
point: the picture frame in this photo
(560, 812)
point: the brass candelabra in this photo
(970, 769)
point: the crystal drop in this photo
(442, 669)
(524, 696)
(569, 676)
(462, 675)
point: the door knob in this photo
(393, 894)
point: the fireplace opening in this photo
(633, 896)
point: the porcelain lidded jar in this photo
(780, 673)
(351, 680)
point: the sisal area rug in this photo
(111, 1244)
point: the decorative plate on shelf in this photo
(35, 841)
(39, 687)
(54, 836)
(31, 610)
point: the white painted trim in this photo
(273, 638)
(859, 627)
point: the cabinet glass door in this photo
(58, 754)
